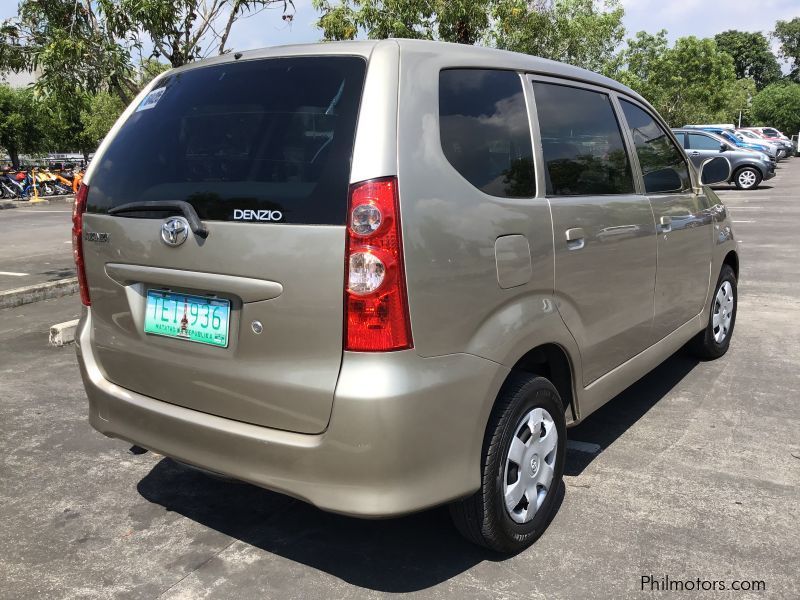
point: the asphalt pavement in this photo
(36, 245)
(697, 477)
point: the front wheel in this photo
(714, 340)
(521, 469)
(747, 178)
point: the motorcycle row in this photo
(29, 183)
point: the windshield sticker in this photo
(151, 99)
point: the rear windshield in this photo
(257, 140)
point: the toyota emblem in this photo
(174, 231)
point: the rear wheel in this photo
(521, 469)
(714, 340)
(747, 178)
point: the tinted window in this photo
(259, 134)
(483, 125)
(698, 141)
(581, 142)
(663, 166)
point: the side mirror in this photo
(715, 170)
(723, 147)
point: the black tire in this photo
(482, 518)
(704, 344)
(755, 172)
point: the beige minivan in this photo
(381, 276)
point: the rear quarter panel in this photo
(449, 233)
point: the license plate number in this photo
(186, 317)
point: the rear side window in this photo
(581, 141)
(698, 141)
(485, 132)
(663, 166)
(272, 135)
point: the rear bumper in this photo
(405, 433)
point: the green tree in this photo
(580, 32)
(778, 105)
(690, 82)
(740, 96)
(183, 30)
(148, 70)
(23, 124)
(584, 33)
(461, 21)
(101, 112)
(788, 35)
(71, 46)
(752, 57)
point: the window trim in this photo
(619, 98)
(534, 78)
(526, 99)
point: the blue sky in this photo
(702, 18)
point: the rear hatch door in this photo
(244, 319)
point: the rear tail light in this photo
(77, 241)
(376, 301)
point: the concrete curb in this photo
(37, 292)
(40, 202)
(63, 333)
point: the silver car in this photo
(381, 276)
(748, 167)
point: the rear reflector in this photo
(376, 302)
(77, 241)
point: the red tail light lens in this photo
(77, 241)
(376, 301)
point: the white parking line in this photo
(742, 221)
(13, 274)
(746, 207)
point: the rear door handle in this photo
(576, 238)
(666, 224)
(695, 153)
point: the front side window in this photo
(485, 132)
(663, 166)
(698, 141)
(581, 141)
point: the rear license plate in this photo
(185, 317)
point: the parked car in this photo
(748, 169)
(750, 136)
(757, 133)
(371, 275)
(768, 149)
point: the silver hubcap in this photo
(747, 178)
(530, 465)
(723, 312)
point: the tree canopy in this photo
(689, 82)
(752, 57)
(582, 32)
(23, 123)
(778, 105)
(788, 35)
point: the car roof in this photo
(483, 57)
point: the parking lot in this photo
(37, 246)
(693, 472)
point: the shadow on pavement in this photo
(610, 421)
(405, 554)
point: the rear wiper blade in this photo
(195, 224)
